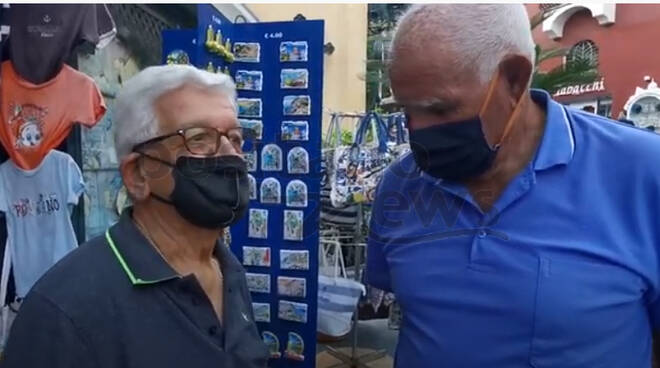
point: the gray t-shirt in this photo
(38, 205)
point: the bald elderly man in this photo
(518, 233)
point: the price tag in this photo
(273, 35)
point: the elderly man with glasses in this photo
(158, 289)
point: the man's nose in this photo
(226, 148)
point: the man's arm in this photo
(44, 336)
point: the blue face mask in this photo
(459, 150)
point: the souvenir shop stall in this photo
(43, 99)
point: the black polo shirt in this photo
(114, 302)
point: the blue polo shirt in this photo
(563, 273)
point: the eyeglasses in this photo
(206, 141)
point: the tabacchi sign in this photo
(577, 90)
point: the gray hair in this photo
(481, 34)
(135, 117)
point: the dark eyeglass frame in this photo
(246, 135)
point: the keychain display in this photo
(251, 160)
(298, 161)
(294, 259)
(293, 225)
(271, 158)
(273, 344)
(261, 312)
(296, 105)
(253, 186)
(256, 256)
(271, 191)
(256, 126)
(292, 286)
(293, 51)
(258, 223)
(247, 52)
(295, 347)
(258, 282)
(296, 194)
(295, 131)
(294, 79)
(292, 311)
(249, 107)
(249, 80)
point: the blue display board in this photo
(279, 258)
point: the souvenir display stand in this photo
(278, 69)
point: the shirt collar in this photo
(141, 261)
(558, 143)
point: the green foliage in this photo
(566, 74)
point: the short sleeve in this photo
(95, 108)
(75, 182)
(377, 272)
(44, 336)
(88, 30)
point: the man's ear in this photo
(516, 71)
(135, 179)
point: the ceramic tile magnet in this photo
(293, 51)
(247, 52)
(258, 282)
(271, 158)
(298, 161)
(292, 286)
(295, 131)
(253, 186)
(296, 194)
(250, 80)
(294, 259)
(251, 160)
(256, 127)
(258, 223)
(296, 105)
(271, 192)
(226, 237)
(294, 78)
(261, 312)
(249, 107)
(293, 225)
(273, 344)
(295, 347)
(256, 256)
(292, 311)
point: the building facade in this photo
(619, 39)
(345, 58)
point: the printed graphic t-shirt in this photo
(37, 118)
(37, 204)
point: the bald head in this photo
(467, 37)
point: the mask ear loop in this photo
(514, 114)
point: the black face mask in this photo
(210, 192)
(457, 151)
(452, 151)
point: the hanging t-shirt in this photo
(43, 36)
(38, 205)
(37, 118)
